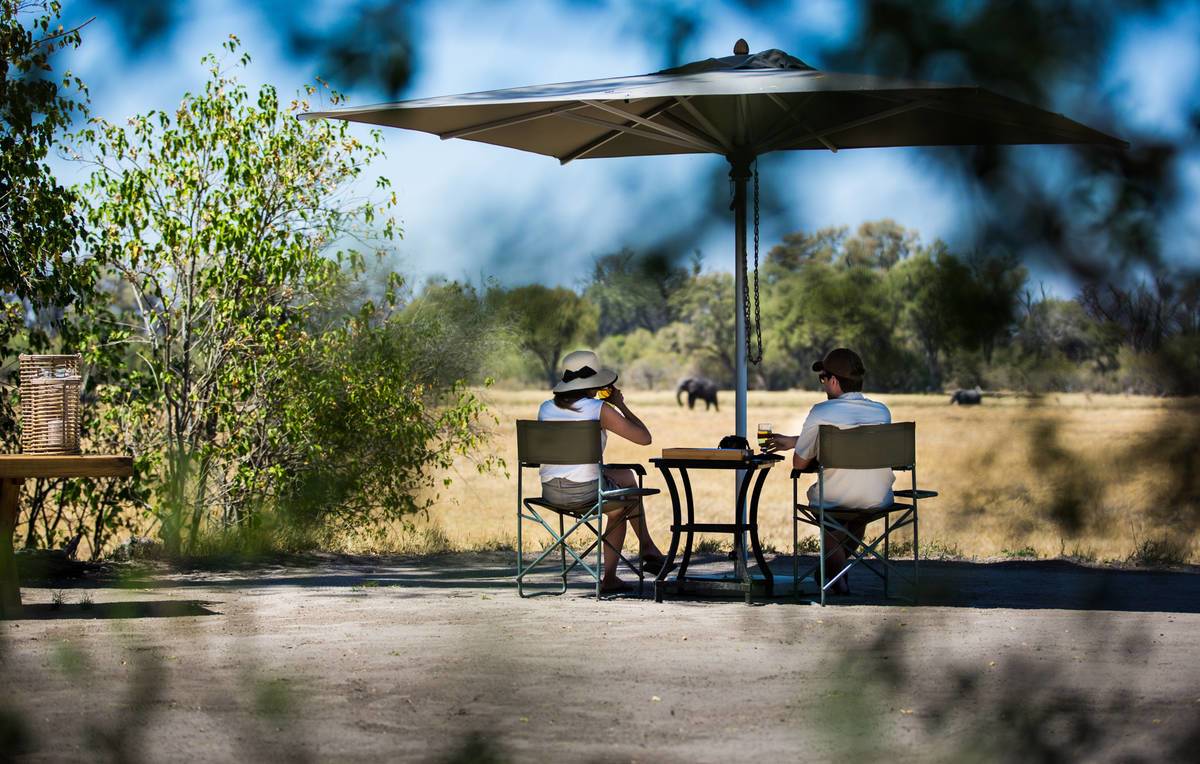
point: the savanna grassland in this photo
(1005, 471)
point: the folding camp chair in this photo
(541, 443)
(866, 447)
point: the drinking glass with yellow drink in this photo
(764, 435)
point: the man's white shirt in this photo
(862, 489)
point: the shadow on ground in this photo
(114, 610)
(1035, 584)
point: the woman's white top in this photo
(586, 410)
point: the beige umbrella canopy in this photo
(739, 106)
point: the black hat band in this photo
(583, 373)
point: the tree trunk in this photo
(171, 523)
(934, 367)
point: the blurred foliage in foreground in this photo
(270, 390)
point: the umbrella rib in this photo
(939, 105)
(782, 123)
(688, 127)
(789, 114)
(626, 129)
(713, 132)
(588, 147)
(482, 127)
(592, 145)
(656, 126)
(910, 106)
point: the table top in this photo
(26, 466)
(755, 461)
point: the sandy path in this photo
(306, 662)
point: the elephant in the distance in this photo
(967, 397)
(697, 387)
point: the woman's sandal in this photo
(654, 564)
(621, 587)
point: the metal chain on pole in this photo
(752, 356)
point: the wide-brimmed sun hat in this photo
(582, 371)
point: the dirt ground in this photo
(437, 659)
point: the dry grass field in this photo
(1001, 468)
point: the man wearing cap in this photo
(841, 374)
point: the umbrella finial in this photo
(741, 48)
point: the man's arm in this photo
(779, 442)
(806, 443)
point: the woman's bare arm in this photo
(618, 419)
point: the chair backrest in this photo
(558, 442)
(867, 447)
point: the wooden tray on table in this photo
(707, 454)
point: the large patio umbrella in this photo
(740, 107)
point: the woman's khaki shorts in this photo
(568, 493)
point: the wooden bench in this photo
(15, 469)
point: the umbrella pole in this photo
(739, 173)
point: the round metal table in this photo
(744, 524)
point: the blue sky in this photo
(470, 210)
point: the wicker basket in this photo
(50, 404)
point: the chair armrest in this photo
(632, 492)
(809, 470)
(908, 493)
(639, 469)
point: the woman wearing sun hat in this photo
(575, 399)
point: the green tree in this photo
(799, 248)
(706, 328)
(879, 244)
(545, 321)
(371, 412)
(229, 223)
(46, 283)
(644, 359)
(822, 306)
(468, 337)
(948, 303)
(634, 292)
(39, 219)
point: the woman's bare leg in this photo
(614, 535)
(628, 479)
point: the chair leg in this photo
(520, 549)
(641, 551)
(916, 558)
(645, 532)
(887, 535)
(599, 547)
(795, 556)
(916, 546)
(821, 543)
(562, 553)
(795, 547)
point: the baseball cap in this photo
(841, 362)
